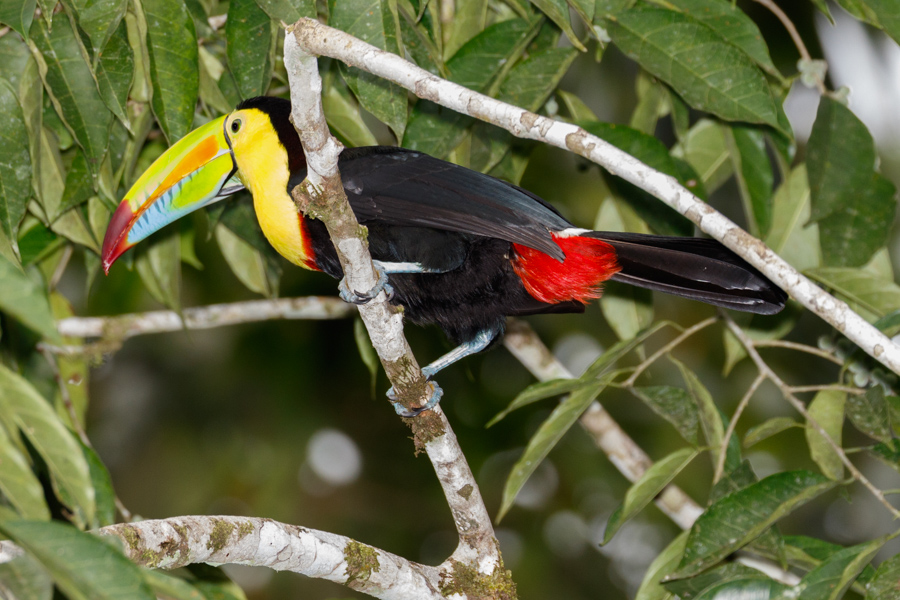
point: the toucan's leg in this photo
(382, 269)
(481, 341)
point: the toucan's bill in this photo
(195, 172)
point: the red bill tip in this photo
(115, 241)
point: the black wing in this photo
(401, 187)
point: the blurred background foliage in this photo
(278, 419)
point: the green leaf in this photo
(754, 176)
(889, 453)
(736, 478)
(25, 300)
(246, 261)
(710, 419)
(15, 162)
(14, 56)
(662, 565)
(103, 488)
(791, 236)
(342, 113)
(701, 585)
(57, 446)
(547, 436)
(732, 25)
(79, 186)
(620, 349)
(18, 14)
(705, 148)
(827, 409)
(84, 566)
(740, 517)
(627, 309)
(250, 38)
(99, 19)
(674, 405)
(752, 586)
(884, 585)
(558, 12)
(24, 579)
(115, 73)
(437, 130)
(174, 70)
(373, 21)
(840, 158)
(651, 105)
(289, 11)
(468, 21)
(536, 392)
(72, 88)
(866, 293)
(708, 72)
(855, 231)
(869, 413)
(645, 489)
(527, 85)
(578, 110)
(19, 485)
(170, 586)
(366, 351)
(653, 153)
(888, 16)
(159, 264)
(837, 573)
(767, 429)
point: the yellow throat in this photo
(263, 168)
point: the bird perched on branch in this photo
(454, 247)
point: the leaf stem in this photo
(667, 348)
(720, 463)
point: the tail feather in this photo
(697, 268)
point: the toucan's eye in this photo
(235, 126)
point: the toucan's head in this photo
(255, 142)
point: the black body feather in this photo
(446, 217)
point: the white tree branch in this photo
(319, 39)
(180, 541)
(322, 196)
(122, 327)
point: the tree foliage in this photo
(92, 92)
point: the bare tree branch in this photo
(322, 195)
(122, 327)
(322, 40)
(180, 541)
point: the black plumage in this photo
(466, 224)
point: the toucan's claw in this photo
(436, 394)
(354, 297)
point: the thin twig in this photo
(64, 395)
(788, 394)
(723, 453)
(795, 36)
(122, 327)
(667, 348)
(800, 348)
(61, 267)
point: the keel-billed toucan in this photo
(461, 249)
